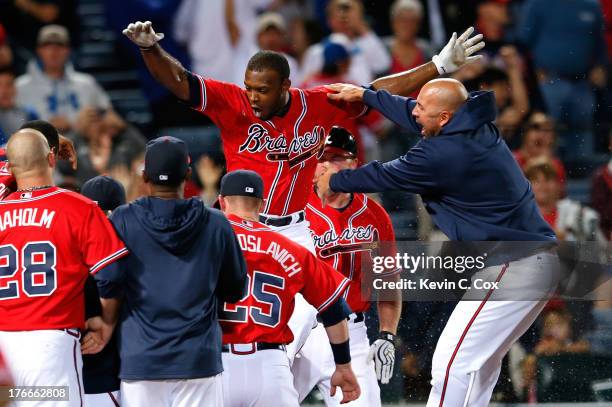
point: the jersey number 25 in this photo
(37, 259)
(260, 293)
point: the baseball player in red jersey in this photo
(255, 329)
(50, 239)
(276, 130)
(347, 232)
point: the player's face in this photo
(429, 114)
(266, 92)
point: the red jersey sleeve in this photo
(100, 244)
(7, 181)
(323, 285)
(214, 98)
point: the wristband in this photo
(387, 336)
(342, 352)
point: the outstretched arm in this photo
(456, 53)
(165, 69)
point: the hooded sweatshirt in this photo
(469, 181)
(185, 259)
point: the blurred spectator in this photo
(539, 141)
(606, 6)
(52, 87)
(103, 140)
(303, 34)
(12, 116)
(166, 110)
(24, 18)
(601, 194)
(571, 220)
(368, 53)
(272, 36)
(209, 170)
(407, 51)
(492, 16)
(220, 35)
(6, 54)
(556, 338)
(569, 53)
(130, 176)
(510, 92)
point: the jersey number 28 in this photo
(261, 281)
(37, 259)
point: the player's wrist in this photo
(341, 352)
(387, 336)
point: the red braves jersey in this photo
(281, 150)
(7, 181)
(343, 237)
(277, 270)
(49, 240)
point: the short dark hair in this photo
(46, 129)
(540, 165)
(270, 60)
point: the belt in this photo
(249, 348)
(283, 220)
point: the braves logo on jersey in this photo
(299, 150)
(349, 240)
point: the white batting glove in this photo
(142, 34)
(458, 52)
(382, 351)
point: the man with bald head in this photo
(474, 191)
(50, 240)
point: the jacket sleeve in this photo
(398, 109)
(232, 284)
(413, 172)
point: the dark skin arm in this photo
(166, 70)
(407, 82)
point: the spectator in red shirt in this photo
(539, 140)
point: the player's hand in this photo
(458, 52)
(142, 34)
(345, 92)
(382, 352)
(97, 336)
(322, 183)
(346, 380)
(67, 151)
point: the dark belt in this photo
(280, 222)
(254, 348)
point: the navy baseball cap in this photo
(334, 52)
(242, 183)
(166, 161)
(105, 191)
(339, 143)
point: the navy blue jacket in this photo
(184, 259)
(469, 181)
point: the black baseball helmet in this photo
(339, 143)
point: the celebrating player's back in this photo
(50, 240)
(255, 329)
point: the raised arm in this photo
(165, 69)
(456, 53)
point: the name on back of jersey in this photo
(254, 244)
(26, 217)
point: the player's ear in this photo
(286, 84)
(445, 117)
(51, 159)
(222, 203)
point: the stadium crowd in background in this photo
(547, 63)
